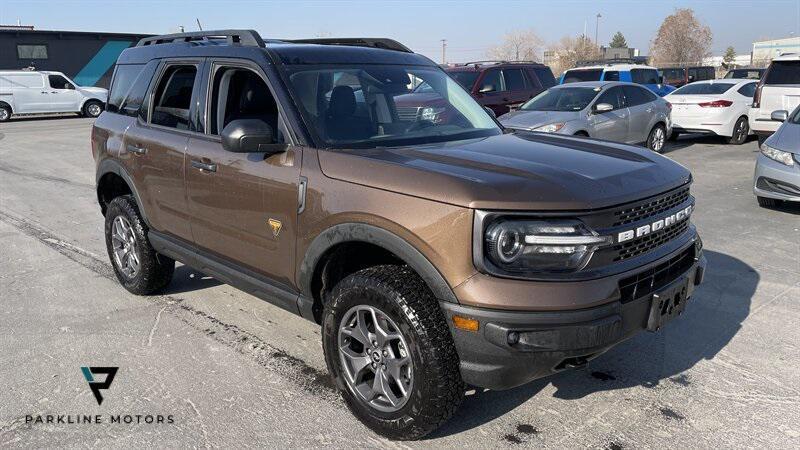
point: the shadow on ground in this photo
(713, 317)
(187, 279)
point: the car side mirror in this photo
(250, 136)
(603, 107)
(780, 115)
(487, 88)
(490, 111)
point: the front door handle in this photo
(136, 149)
(208, 167)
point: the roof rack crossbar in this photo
(387, 44)
(497, 61)
(249, 38)
(606, 62)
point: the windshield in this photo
(573, 76)
(372, 105)
(562, 99)
(703, 89)
(464, 78)
(752, 74)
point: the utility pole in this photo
(444, 46)
(597, 29)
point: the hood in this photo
(95, 91)
(787, 138)
(517, 171)
(529, 120)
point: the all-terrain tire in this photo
(402, 295)
(154, 270)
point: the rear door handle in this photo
(136, 149)
(208, 167)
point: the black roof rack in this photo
(387, 44)
(249, 38)
(607, 62)
(496, 61)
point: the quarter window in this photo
(748, 90)
(173, 97)
(644, 76)
(129, 89)
(31, 51)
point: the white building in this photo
(764, 51)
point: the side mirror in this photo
(487, 88)
(490, 111)
(603, 107)
(249, 136)
(780, 115)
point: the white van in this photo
(35, 92)
(778, 90)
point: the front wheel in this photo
(740, 131)
(390, 352)
(92, 108)
(5, 113)
(657, 138)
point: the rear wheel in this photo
(657, 138)
(740, 131)
(390, 352)
(92, 108)
(5, 113)
(766, 202)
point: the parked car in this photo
(433, 254)
(680, 76)
(744, 72)
(610, 110)
(632, 73)
(502, 85)
(718, 107)
(777, 175)
(779, 89)
(38, 92)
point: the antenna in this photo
(199, 27)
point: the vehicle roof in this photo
(788, 57)
(614, 66)
(594, 84)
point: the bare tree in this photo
(681, 40)
(520, 45)
(568, 51)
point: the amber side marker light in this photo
(466, 324)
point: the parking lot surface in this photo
(234, 371)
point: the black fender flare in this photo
(361, 232)
(112, 166)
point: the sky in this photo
(470, 27)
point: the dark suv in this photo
(502, 85)
(681, 76)
(435, 251)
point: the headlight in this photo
(551, 128)
(430, 114)
(777, 155)
(523, 246)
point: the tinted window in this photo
(644, 76)
(174, 97)
(242, 94)
(466, 79)
(611, 75)
(752, 74)
(122, 82)
(572, 76)
(34, 51)
(492, 81)
(515, 79)
(561, 99)
(783, 72)
(674, 74)
(545, 76)
(637, 96)
(748, 90)
(614, 97)
(59, 82)
(704, 89)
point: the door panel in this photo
(611, 125)
(63, 97)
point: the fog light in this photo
(513, 337)
(466, 324)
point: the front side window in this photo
(173, 97)
(492, 82)
(562, 99)
(644, 76)
(614, 97)
(59, 82)
(371, 105)
(31, 51)
(704, 89)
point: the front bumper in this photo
(546, 342)
(775, 180)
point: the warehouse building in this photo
(86, 57)
(764, 51)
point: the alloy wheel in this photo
(123, 242)
(741, 131)
(375, 358)
(657, 141)
(4, 114)
(94, 109)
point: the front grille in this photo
(651, 280)
(651, 208)
(650, 241)
(407, 113)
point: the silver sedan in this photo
(777, 175)
(610, 110)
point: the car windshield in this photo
(562, 99)
(743, 73)
(704, 89)
(375, 105)
(464, 78)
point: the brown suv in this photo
(436, 250)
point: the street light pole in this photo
(444, 46)
(597, 29)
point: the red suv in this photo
(500, 85)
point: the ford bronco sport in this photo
(435, 254)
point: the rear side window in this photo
(22, 80)
(129, 88)
(783, 72)
(492, 81)
(545, 76)
(637, 96)
(515, 79)
(748, 90)
(173, 97)
(611, 75)
(644, 76)
(59, 82)
(573, 76)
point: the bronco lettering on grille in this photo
(655, 226)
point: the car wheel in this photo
(766, 202)
(390, 352)
(92, 108)
(138, 267)
(657, 138)
(740, 131)
(5, 113)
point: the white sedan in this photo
(716, 107)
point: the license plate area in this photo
(667, 304)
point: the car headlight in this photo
(777, 155)
(550, 128)
(524, 246)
